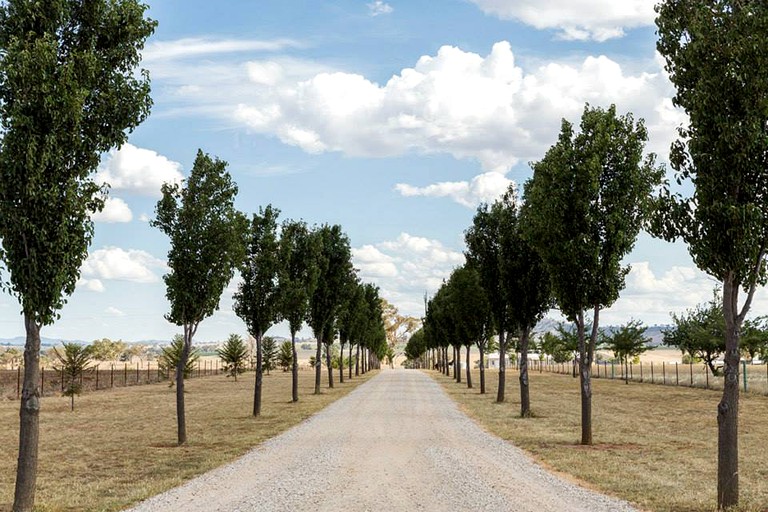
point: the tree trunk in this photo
(328, 348)
(469, 370)
(181, 419)
(728, 408)
(318, 364)
(502, 366)
(350, 360)
(29, 416)
(586, 353)
(341, 364)
(457, 364)
(294, 370)
(481, 348)
(259, 376)
(525, 396)
(357, 360)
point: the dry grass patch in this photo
(118, 446)
(655, 446)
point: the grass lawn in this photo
(655, 446)
(119, 445)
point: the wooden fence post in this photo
(18, 382)
(652, 379)
(677, 375)
(691, 365)
(112, 377)
(663, 373)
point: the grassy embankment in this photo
(655, 446)
(118, 446)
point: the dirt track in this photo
(395, 443)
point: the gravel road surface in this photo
(395, 443)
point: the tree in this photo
(557, 347)
(269, 349)
(73, 361)
(258, 299)
(398, 327)
(69, 91)
(754, 337)
(699, 332)
(285, 355)
(234, 355)
(106, 349)
(416, 346)
(334, 264)
(587, 200)
(715, 58)
(170, 356)
(207, 244)
(626, 342)
(349, 316)
(297, 280)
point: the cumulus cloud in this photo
(485, 188)
(137, 170)
(113, 311)
(115, 210)
(119, 264)
(456, 102)
(406, 268)
(582, 20)
(378, 7)
(92, 285)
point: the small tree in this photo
(207, 243)
(285, 355)
(269, 353)
(73, 361)
(234, 355)
(170, 356)
(700, 332)
(628, 341)
(106, 349)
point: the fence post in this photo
(125, 375)
(652, 379)
(18, 382)
(112, 377)
(677, 375)
(138, 378)
(631, 373)
(641, 371)
(613, 371)
(691, 365)
(42, 382)
(663, 373)
(744, 367)
(97, 378)
(706, 372)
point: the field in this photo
(655, 446)
(118, 446)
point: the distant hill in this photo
(655, 332)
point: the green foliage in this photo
(169, 358)
(107, 350)
(207, 239)
(72, 361)
(627, 342)
(269, 356)
(754, 338)
(700, 332)
(469, 307)
(298, 275)
(285, 356)
(69, 91)
(561, 346)
(416, 346)
(258, 299)
(234, 355)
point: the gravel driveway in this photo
(395, 443)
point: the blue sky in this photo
(391, 118)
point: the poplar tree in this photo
(69, 91)
(207, 237)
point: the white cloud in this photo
(456, 102)
(597, 20)
(113, 311)
(197, 47)
(379, 7)
(137, 170)
(406, 268)
(485, 188)
(115, 210)
(123, 265)
(92, 285)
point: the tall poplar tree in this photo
(69, 91)
(258, 298)
(584, 208)
(207, 236)
(715, 52)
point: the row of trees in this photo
(289, 272)
(590, 194)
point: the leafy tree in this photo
(285, 355)
(584, 207)
(11, 356)
(133, 350)
(207, 244)
(754, 337)
(334, 264)
(258, 299)
(73, 361)
(269, 349)
(170, 356)
(297, 280)
(557, 347)
(106, 349)
(626, 342)
(234, 355)
(715, 58)
(416, 346)
(348, 317)
(69, 91)
(398, 327)
(700, 332)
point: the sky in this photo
(394, 119)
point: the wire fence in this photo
(753, 378)
(52, 381)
